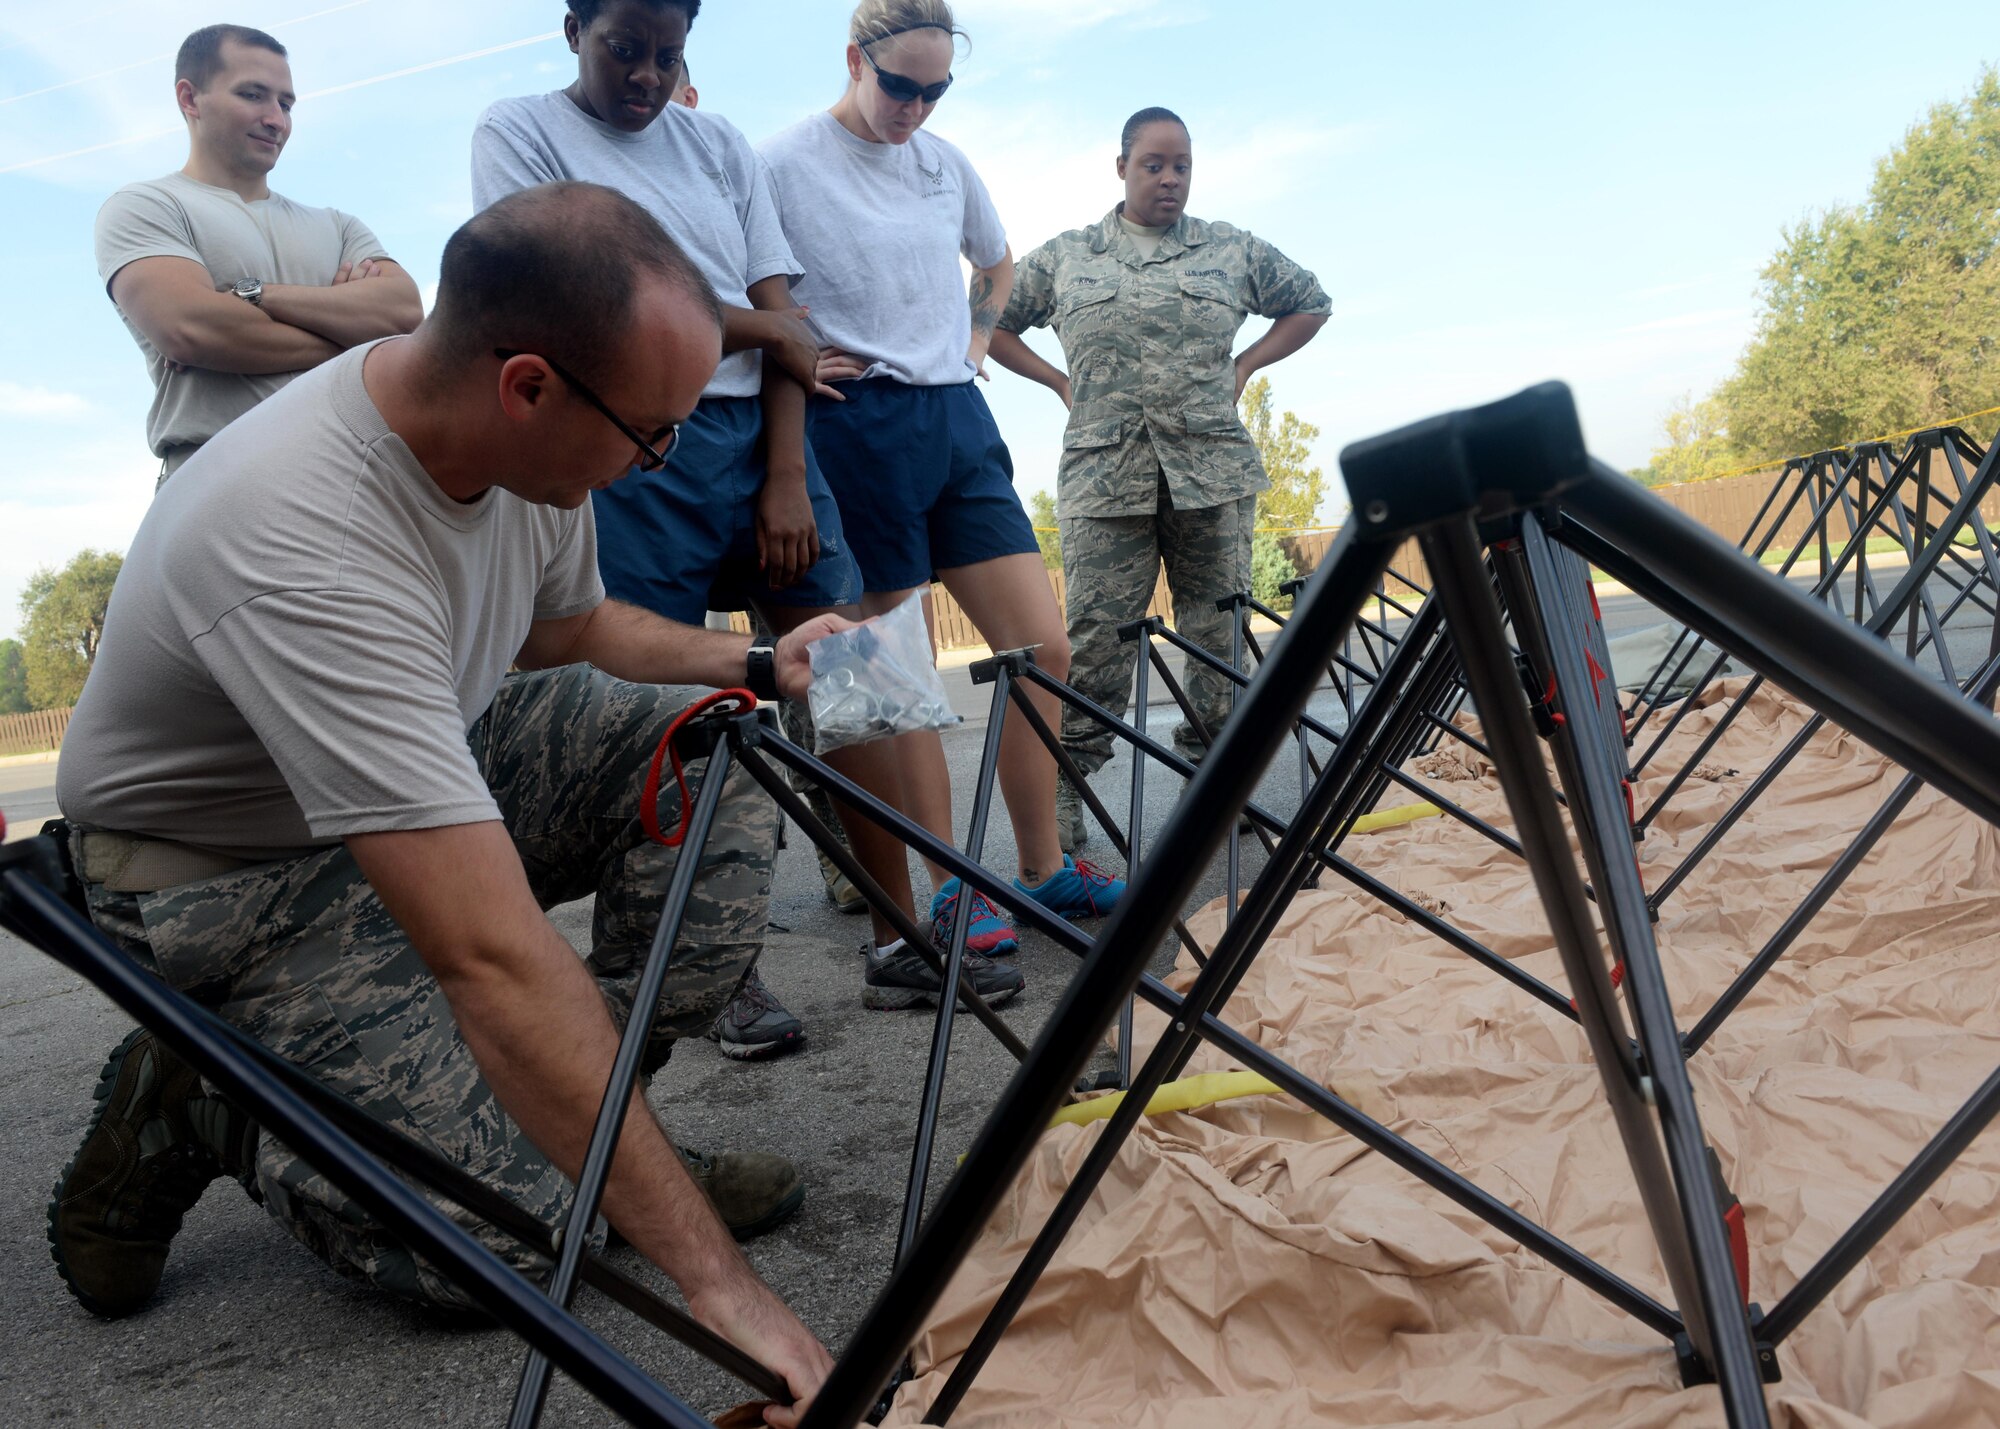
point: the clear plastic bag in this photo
(876, 680)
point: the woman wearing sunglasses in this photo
(1156, 465)
(735, 512)
(878, 213)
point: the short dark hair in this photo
(1139, 121)
(552, 270)
(200, 59)
(588, 10)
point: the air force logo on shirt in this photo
(938, 188)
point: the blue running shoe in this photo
(990, 935)
(1078, 890)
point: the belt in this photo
(126, 863)
(172, 459)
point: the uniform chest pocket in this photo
(1077, 298)
(1209, 289)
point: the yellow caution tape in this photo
(1771, 463)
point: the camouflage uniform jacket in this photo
(1150, 344)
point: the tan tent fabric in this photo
(1248, 1265)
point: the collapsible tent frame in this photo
(1877, 493)
(1512, 479)
(1954, 547)
(1513, 476)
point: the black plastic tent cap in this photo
(1522, 449)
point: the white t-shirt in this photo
(271, 239)
(692, 170)
(303, 632)
(880, 229)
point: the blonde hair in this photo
(879, 19)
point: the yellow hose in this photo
(1184, 1095)
(1391, 818)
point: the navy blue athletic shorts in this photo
(682, 541)
(923, 479)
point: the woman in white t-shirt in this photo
(878, 213)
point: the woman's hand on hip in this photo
(837, 366)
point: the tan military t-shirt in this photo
(272, 240)
(1145, 236)
(303, 632)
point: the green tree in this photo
(1285, 444)
(1697, 446)
(13, 679)
(1042, 516)
(1270, 567)
(62, 619)
(1883, 316)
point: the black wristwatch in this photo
(760, 672)
(250, 290)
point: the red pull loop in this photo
(1739, 1247)
(649, 799)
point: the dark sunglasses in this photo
(657, 450)
(902, 88)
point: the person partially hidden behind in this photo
(307, 793)
(231, 290)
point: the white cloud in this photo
(39, 402)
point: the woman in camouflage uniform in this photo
(1156, 466)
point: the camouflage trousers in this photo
(301, 955)
(1110, 567)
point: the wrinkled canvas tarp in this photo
(1248, 1265)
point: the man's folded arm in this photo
(379, 299)
(173, 301)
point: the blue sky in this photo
(1493, 194)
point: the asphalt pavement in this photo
(249, 1329)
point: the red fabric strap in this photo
(649, 799)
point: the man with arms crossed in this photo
(229, 289)
(307, 793)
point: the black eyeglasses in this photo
(657, 450)
(902, 88)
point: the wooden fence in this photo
(1726, 507)
(33, 733)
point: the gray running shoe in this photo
(905, 979)
(755, 1024)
